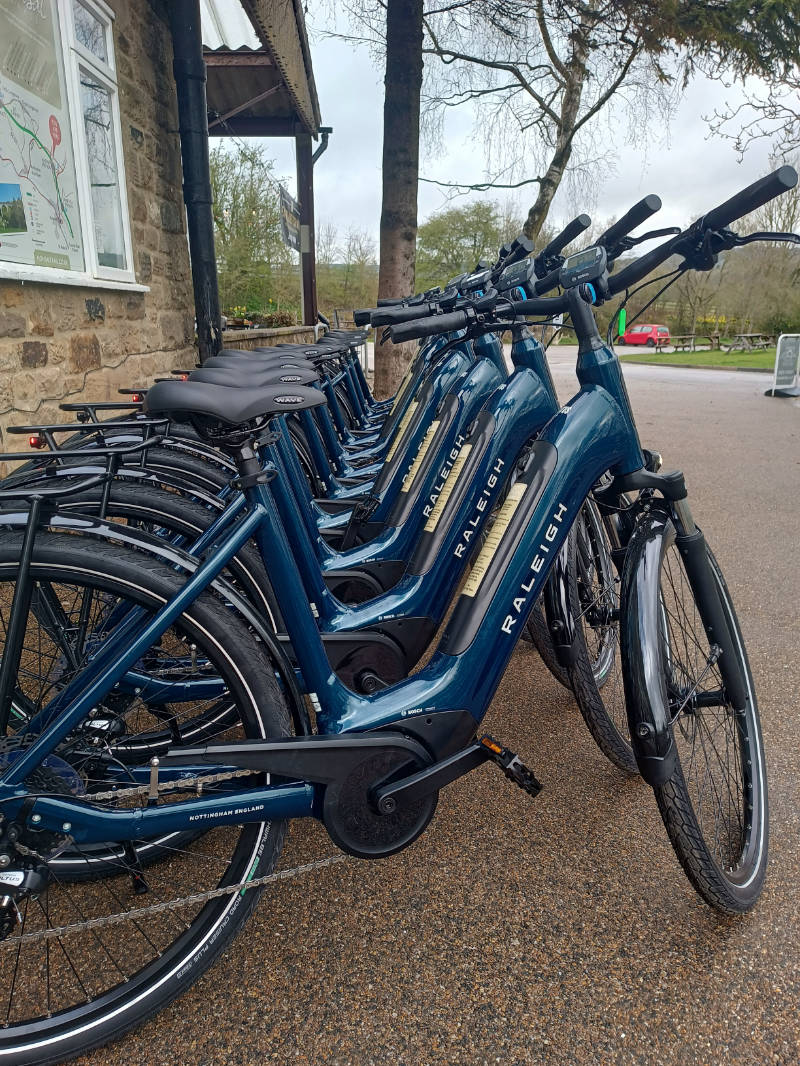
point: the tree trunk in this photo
(568, 120)
(398, 243)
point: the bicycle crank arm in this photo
(435, 777)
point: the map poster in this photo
(39, 218)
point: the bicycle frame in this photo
(593, 433)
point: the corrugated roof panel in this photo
(225, 25)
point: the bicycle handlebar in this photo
(568, 234)
(751, 198)
(389, 316)
(630, 220)
(426, 327)
(745, 201)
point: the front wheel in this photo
(714, 801)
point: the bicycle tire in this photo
(63, 1030)
(726, 861)
(177, 516)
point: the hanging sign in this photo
(290, 220)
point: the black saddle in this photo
(241, 376)
(254, 361)
(180, 400)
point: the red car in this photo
(652, 336)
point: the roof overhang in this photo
(260, 92)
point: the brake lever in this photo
(764, 235)
(624, 244)
(668, 231)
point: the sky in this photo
(688, 168)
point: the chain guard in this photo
(352, 819)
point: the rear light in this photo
(136, 397)
(36, 441)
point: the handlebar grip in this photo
(754, 196)
(427, 327)
(361, 318)
(388, 316)
(630, 220)
(568, 234)
(523, 246)
(391, 301)
(548, 282)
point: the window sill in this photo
(23, 273)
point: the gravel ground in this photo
(560, 929)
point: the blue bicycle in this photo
(128, 861)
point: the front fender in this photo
(646, 696)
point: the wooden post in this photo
(305, 196)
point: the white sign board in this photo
(39, 223)
(787, 366)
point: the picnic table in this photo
(687, 342)
(750, 342)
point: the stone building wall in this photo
(61, 342)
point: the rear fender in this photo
(182, 561)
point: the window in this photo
(63, 204)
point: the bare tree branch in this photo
(482, 186)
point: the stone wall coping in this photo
(275, 331)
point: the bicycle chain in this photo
(196, 784)
(171, 905)
(183, 784)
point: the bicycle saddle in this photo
(234, 406)
(253, 361)
(238, 375)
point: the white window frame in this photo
(75, 57)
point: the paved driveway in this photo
(561, 929)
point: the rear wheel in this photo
(66, 992)
(596, 672)
(714, 803)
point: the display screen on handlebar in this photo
(583, 266)
(519, 275)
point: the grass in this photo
(763, 359)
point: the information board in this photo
(39, 220)
(787, 366)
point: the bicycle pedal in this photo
(512, 766)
